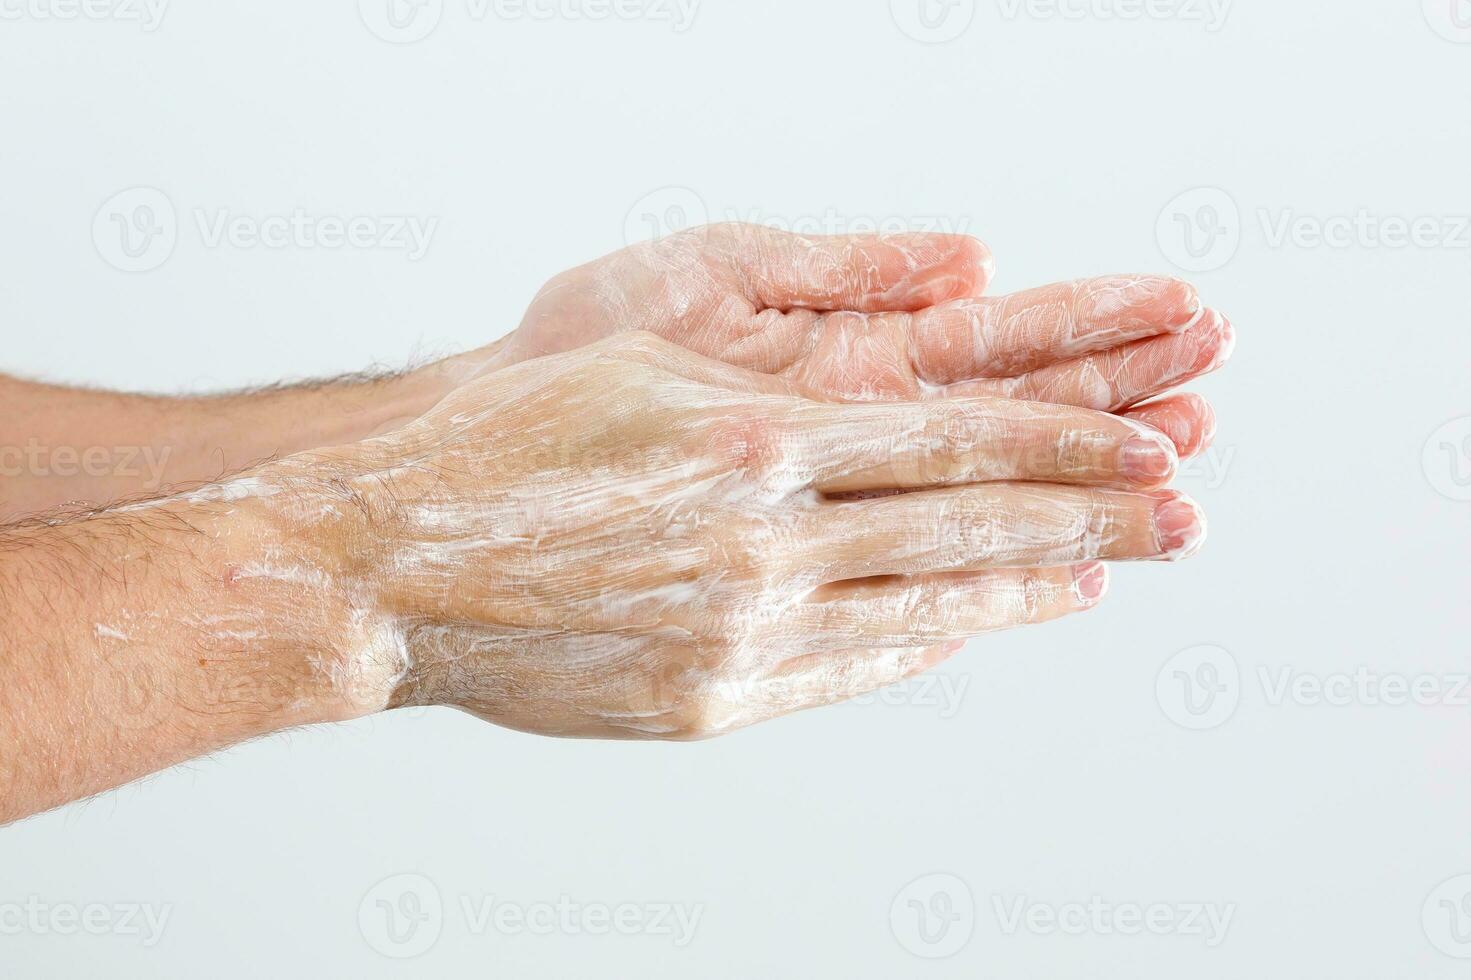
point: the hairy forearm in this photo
(136, 639)
(67, 447)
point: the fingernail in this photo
(1146, 460)
(1090, 581)
(1179, 527)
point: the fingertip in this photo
(979, 258)
(1179, 524)
(1187, 419)
(1228, 340)
(1182, 306)
(1205, 428)
(961, 268)
(1149, 458)
(937, 655)
(1193, 427)
(1217, 338)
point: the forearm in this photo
(137, 639)
(66, 446)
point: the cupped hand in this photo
(891, 318)
(631, 540)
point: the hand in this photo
(629, 540)
(908, 323)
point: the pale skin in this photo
(668, 534)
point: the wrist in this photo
(293, 614)
(160, 631)
(351, 411)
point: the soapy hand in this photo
(893, 318)
(630, 540)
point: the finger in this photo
(924, 610)
(651, 350)
(1117, 379)
(1188, 420)
(997, 525)
(1003, 336)
(866, 274)
(906, 445)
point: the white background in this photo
(1055, 772)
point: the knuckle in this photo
(755, 447)
(694, 719)
(1069, 450)
(933, 610)
(1033, 595)
(638, 342)
(952, 439)
(681, 699)
(732, 238)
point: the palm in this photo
(893, 318)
